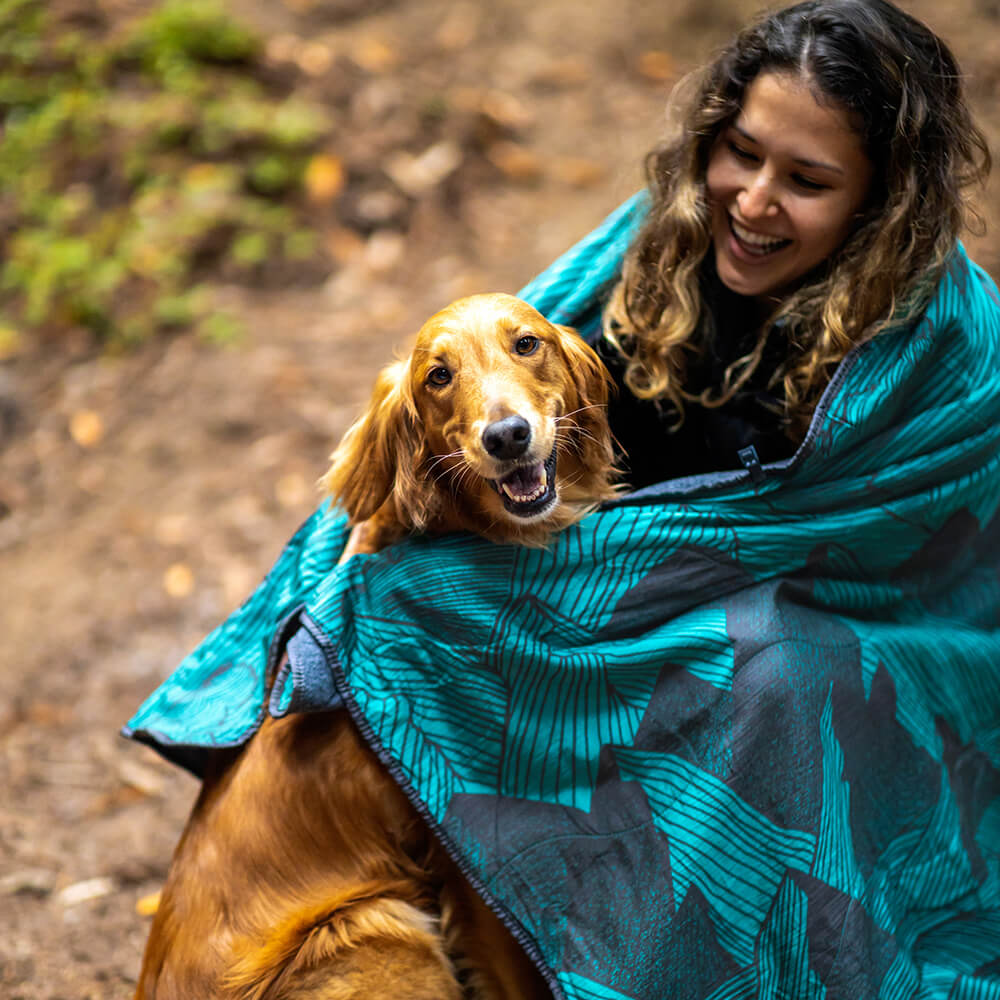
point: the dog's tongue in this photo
(525, 483)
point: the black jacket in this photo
(709, 440)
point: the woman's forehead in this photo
(781, 110)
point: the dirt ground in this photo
(142, 497)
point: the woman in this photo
(811, 201)
(733, 735)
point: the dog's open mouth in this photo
(529, 490)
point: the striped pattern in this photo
(783, 956)
(747, 735)
(835, 862)
(733, 855)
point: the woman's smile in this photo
(752, 244)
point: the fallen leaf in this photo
(384, 250)
(82, 892)
(577, 171)
(418, 174)
(324, 178)
(292, 491)
(516, 162)
(374, 55)
(178, 580)
(142, 779)
(314, 58)
(109, 802)
(48, 714)
(505, 109)
(146, 906)
(657, 65)
(568, 72)
(86, 428)
(343, 244)
(375, 208)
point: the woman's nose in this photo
(756, 200)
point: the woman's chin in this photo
(752, 278)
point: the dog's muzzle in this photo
(529, 490)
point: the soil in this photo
(142, 496)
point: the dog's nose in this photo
(507, 438)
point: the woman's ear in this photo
(380, 455)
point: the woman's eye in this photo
(527, 345)
(439, 376)
(808, 185)
(741, 153)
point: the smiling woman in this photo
(785, 183)
(811, 202)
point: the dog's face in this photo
(497, 416)
(492, 380)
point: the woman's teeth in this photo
(754, 242)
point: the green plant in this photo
(137, 164)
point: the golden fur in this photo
(416, 459)
(304, 873)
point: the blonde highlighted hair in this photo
(901, 87)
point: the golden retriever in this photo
(495, 424)
(304, 873)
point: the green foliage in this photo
(137, 164)
(189, 31)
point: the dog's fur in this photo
(304, 873)
(431, 457)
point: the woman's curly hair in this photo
(902, 89)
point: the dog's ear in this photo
(592, 383)
(382, 453)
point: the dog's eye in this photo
(439, 376)
(527, 345)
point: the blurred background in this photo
(218, 218)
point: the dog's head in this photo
(498, 416)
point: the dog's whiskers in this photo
(579, 409)
(438, 459)
(464, 471)
(564, 436)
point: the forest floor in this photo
(142, 496)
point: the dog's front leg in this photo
(374, 533)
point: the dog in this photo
(304, 872)
(495, 424)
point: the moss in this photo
(135, 161)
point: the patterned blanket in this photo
(735, 736)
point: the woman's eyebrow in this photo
(804, 161)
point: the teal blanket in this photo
(730, 737)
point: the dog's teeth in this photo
(545, 481)
(523, 497)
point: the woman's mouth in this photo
(754, 244)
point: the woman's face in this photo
(785, 183)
